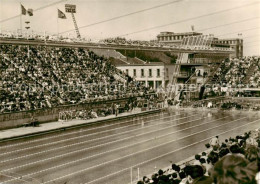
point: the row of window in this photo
(229, 41)
(150, 72)
(165, 38)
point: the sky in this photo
(207, 16)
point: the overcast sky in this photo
(173, 14)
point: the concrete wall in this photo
(11, 120)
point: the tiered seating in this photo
(34, 77)
(219, 73)
(233, 75)
(253, 75)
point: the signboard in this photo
(69, 8)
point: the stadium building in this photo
(235, 43)
(171, 38)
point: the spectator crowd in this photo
(234, 73)
(35, 77)
(234, 161)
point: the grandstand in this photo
(105, 96)
(50, 69)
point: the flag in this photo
(192, 27)
(23, 10)
(61, 15)
(30, 12)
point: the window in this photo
(150, 72)
(167, 72)
(158, 72)
(134, 72)
(142, 72)
(126, 71)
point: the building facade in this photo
(235, 43)
(171, 38)
(153, 75)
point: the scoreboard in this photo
(70, 8)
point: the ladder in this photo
(75, 25)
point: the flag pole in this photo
(58, 24)
(21, 26)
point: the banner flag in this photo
(23, 10)
(30, 12)
(61, 15)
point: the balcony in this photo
(181, 74)
(199, 61)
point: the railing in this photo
(181, 74)
(199, 61)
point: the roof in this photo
(177, 34)
(117, 62)
(134, 61)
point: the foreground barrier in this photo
(11, 120)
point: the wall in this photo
(11, 120)
(146, 76)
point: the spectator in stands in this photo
(146, 179)
(43, 77)
(214, 142)
(234, 169)
(175, 179)
(244, 158)
(140, 182)
(252, 153)
(196, 175)
(184, 179)
(197, 160)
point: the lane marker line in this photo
(155, 158)
(15, 178)
(45, 151)
(108, 151)
(83, 136)
(70, 133)
(104, 163)
(111, 161)
(88, 130)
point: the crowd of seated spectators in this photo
(36, 77)
(233, 72)
(234, 161)
(254, 80)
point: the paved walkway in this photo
(47, 127)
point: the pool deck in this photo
(15, 133)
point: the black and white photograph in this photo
(129, 91)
